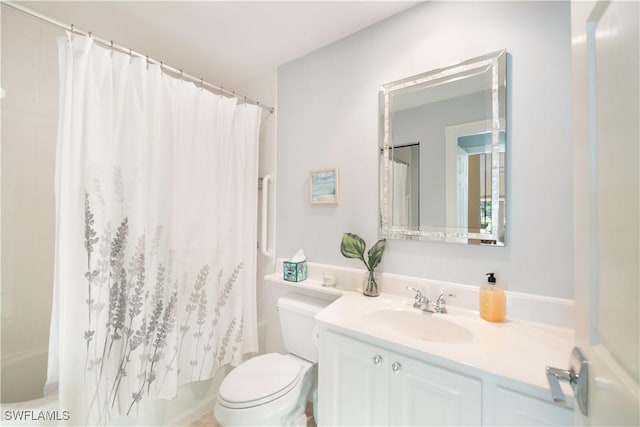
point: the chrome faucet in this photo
(440, 305)
(425, 304)
(420, 301)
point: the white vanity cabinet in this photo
(425, 394)
(352, 382)
(363, 384)
(515, 408)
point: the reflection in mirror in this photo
(442, 138)
(405, 167)
(469, 185)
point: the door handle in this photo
(579, 380)
(554, 375)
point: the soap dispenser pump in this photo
(492, 301)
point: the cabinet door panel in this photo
(352, 389)
(516, 409)
(426, 395)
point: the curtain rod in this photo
(130, 52)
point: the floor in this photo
(207, 420)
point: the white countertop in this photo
(518, 350)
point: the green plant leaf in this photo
(375, 253)
(352, 246)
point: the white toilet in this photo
(272, 389)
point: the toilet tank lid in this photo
(302, 304)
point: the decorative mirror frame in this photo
(496, 62)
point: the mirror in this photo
(442, 154)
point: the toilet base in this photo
(301, 421)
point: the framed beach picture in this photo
(324, 187)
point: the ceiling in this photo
(225, 42)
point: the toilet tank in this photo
(297, 324)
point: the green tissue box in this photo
(295, 271)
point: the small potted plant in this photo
(353, 246)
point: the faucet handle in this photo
(416, 290)
(443, 294)
(440, 306)
(420, 299)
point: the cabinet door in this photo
(352, 382)
(517, 409)
(426, 395)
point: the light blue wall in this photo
(328, 117)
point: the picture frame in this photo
(324, 186)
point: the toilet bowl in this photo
(273, 389)
(267, 390)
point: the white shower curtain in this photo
(156, 202)
(401, 194)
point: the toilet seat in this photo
(260, 380)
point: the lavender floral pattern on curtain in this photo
(156, 206)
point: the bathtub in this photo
(24, 375)
(23, 378)
(23, 403)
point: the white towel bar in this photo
(265, 215)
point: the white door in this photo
(605, 50)
(421, 394)
(353, 382)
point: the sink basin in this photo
(420, 325)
